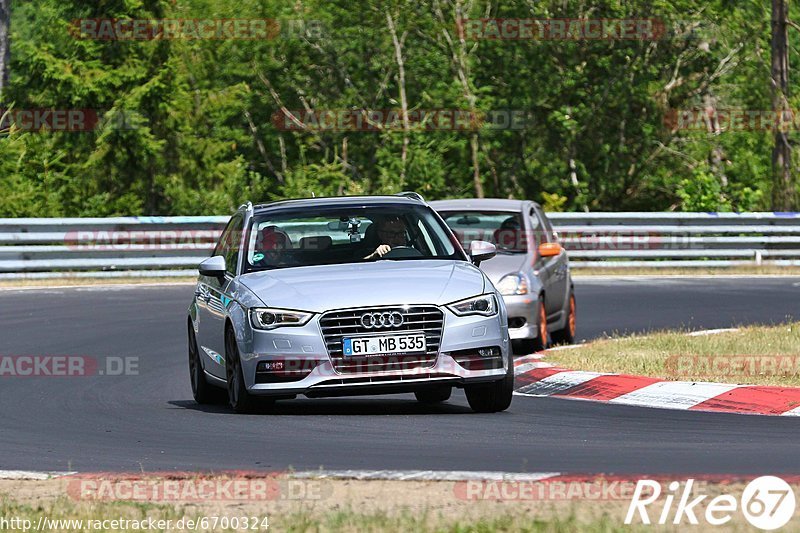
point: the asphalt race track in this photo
(149, 422)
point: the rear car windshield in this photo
(504, 229)
(335, 235)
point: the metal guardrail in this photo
(173, 246)
(679, 239)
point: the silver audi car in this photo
(531, 270)
(346, 296)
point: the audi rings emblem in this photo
(382, 320)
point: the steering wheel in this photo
(400, 252)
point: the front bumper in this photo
(305, 348)
(522, 310)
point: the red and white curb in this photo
(537, 378)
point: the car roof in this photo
(334, 201)
(483, 204)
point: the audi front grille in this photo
(338, 324)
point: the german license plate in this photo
(384, 345)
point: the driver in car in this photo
(391, 234)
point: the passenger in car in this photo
(270, 245)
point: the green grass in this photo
(65, 509)
(771, 356)
(344, 520)
(348, 520)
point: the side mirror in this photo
(213, 267)
(481, 251)
(550, 249)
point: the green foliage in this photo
(553, 202)
(702, 192)
(705, 192)
(189, 125)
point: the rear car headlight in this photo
(269, 318)
(484, 305)
(513, 284)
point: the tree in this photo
(193, 125)
(5, 48)
(783, 193)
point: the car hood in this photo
(325, 287)
(503, 264)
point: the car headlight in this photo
(484, 305)
(513, 284)
(269, 318)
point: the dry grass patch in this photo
(758, 355)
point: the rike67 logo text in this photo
(767, 503)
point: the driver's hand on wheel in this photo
(380, 251)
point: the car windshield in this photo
(347, 234)
(504, 229)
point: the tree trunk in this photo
(460, 61)
(5, 47)
(783, 193)
(401, 82)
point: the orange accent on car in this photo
(549, 249)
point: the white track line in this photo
(100, 286)
(576, 275)
(26, 474)
(532, 358)
(388, 475)
(704, 332)
(423, 475)
(525, 367)
(564, 347)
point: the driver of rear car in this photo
(507, 236)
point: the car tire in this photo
(540, 342)
(239, 399)
(202, 391)
(437, 395)
(492, 397)
(566, 335)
